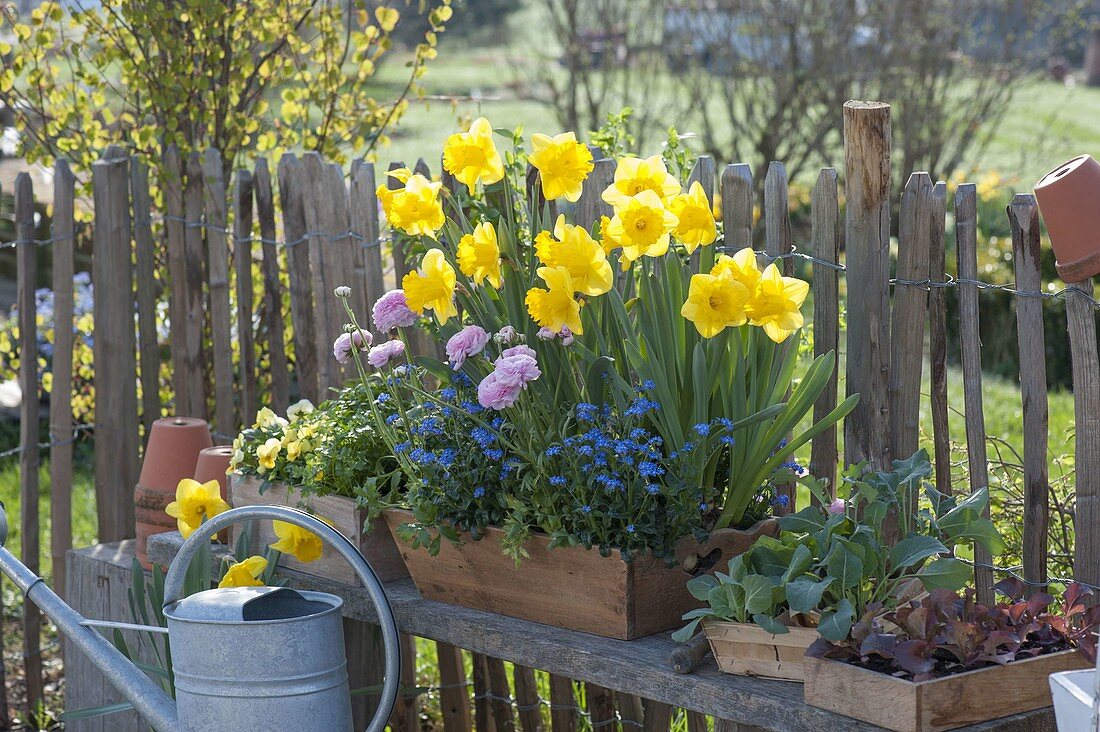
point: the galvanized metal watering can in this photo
(248, 658)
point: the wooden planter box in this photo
(377, 546)
(570, 587)
(746, 649)
(941, 704)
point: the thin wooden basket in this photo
(746, 649)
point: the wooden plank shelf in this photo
(640, 667)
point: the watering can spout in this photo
(147, 698)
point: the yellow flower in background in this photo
(244, 573)
(776, 304)
(715, 303)
(268, 453)
(472, 157)
(266, 418)
(695, 226)
(563, 164)
(555, 307)
(303, 545)
(741, 266)
(415, 208)
(432, 287)
(194, 502)
(642, 225)
(608, 242)
(574, 249)
(634, 175)
(479, 255)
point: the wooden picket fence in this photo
(314, 226)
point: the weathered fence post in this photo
(292, 203)
(778, 244)
(867, 242)
(966, 247)
(27, 278)
(197, 280)
(146, 282)
(115, 350)
(273, 299)
(217, 250)
(737, 206)
(364, 221)
(937, 339)
(61, 395)
(1081, 316)
(825, 213)
(242, 259)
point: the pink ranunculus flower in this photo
(506, 335)
(391, 311)
(837, 507)
(497, 392)
(545, 334)
(341, 347)
(383, 353)
(520, 350)
(467, 342)
(519, 368)
(566, 336)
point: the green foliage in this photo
(835, 562)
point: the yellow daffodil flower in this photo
(696, 222)
(432, 286)
(303, 545)
(298, 409)
(714, 303)
(415, 208)
(634, 175)
(608, 242)
(194, 502)
(642, 225)
(268, 453)
(472, 157)
(244, 574)
(741, 266)
(579, 253)
(479, 255)
(555, 307)
(563, 164)
(776, 304)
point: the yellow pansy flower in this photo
(266, 418)
(268, 453)
(415, 208)
(574, 249)
(563, 164)
(303, 545)
(741, 266)
(479, 255)
(642, 225)
(776, 304)
(471, 156)
(432, 286)
(714, 303)
(298, 409)
(634, 175)
(194, 502)
(244, 573)
(696, 221)
(555, 307)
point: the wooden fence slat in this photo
(867, 246)
(185, 311)
(697, 721)
(273, 297)
(591, 206)
(483, 716)
(195, 252)
(406, 712)
(30, 545)
(500, 695)
(563, 717)
(909, 315)
(601, 704)
(242, 258)
(966, 247)
(1081, 317)
(703, 171)
(656, 716)
(630, 709)
(115, 352)
(454, 698)
(1023, 215)
(825, 216)
(527, 698)
(937, 326)
(738, 198)
(147, 295)
(292, 198)
(364, 221)
(217, 249)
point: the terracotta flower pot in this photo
(173, 449)
(1069, 200)
(211, 465)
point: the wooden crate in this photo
(570, 587)
(377, 545)
(941, 704)
(746, 649)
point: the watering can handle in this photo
(3, 524)
(173, 583)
